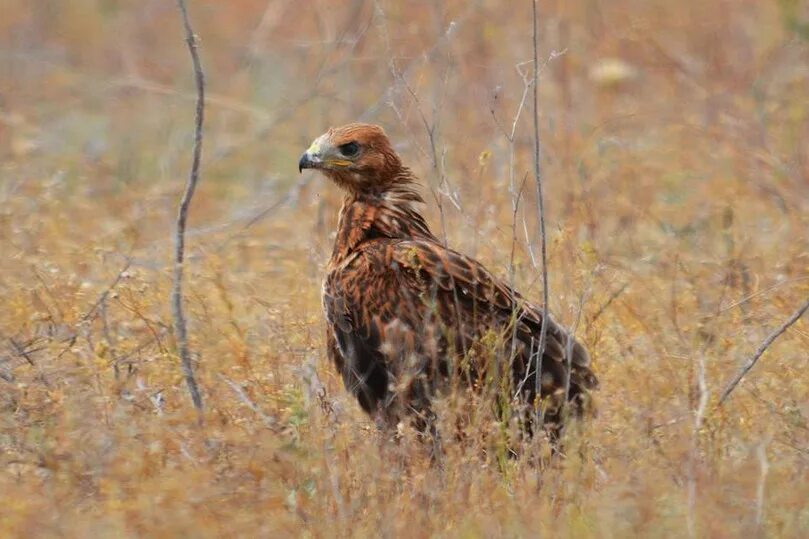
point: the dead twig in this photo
(669, 422)
(24, 350)
(761, 349)
(21, 351)
(760, 292)
(215, 101)
(693, 460)
(269, 421)
(103, 297)
(764, 468)
(540, 205)
(609, 301)
(180, 329)
(290, 196)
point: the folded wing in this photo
(404, 315)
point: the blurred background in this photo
(676, 176)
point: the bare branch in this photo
(212, 100)
(91, 312)
(761, 349)
(540, 205)
(289, 198)
(269, 421)
(760, 292)
(103, 297)
(180, 329)
(609, 301)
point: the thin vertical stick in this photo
(180, 329)
(540, 210)
(693, 461)
(764, 468)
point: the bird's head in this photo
(358, 157)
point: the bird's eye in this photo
(350, 149)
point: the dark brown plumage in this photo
(408, 317)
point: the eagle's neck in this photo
(391, 213)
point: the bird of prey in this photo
(409, 319)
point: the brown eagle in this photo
(409, 318)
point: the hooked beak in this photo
(307, 162)
(304, 162)
(312, 157)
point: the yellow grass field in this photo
(675, 141)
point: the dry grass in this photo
(677, 186)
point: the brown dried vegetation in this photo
(677, 189)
